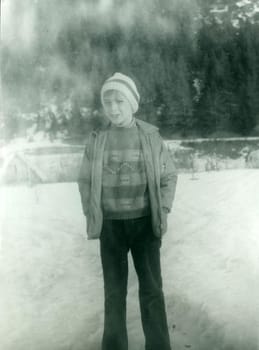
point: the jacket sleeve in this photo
(168, 178)
(84, 178)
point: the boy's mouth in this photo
(115, 116)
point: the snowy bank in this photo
(48, 162)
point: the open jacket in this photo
(161, 178)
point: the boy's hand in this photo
(166, 210)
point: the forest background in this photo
(195, 62)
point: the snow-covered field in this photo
(51, 279)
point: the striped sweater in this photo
(124, 182)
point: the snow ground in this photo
(51, 279)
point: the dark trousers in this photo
(117, 238)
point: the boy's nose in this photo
(114, 107)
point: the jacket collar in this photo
(147, 128)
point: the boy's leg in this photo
(145, 250)
(114, 259)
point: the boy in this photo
(127, 184)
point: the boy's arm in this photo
(168, 180)
(84, 178)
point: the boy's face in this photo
(117, 108)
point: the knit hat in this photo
(126, 86)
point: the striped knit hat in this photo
(126, 86)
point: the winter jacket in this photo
(160, 170)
